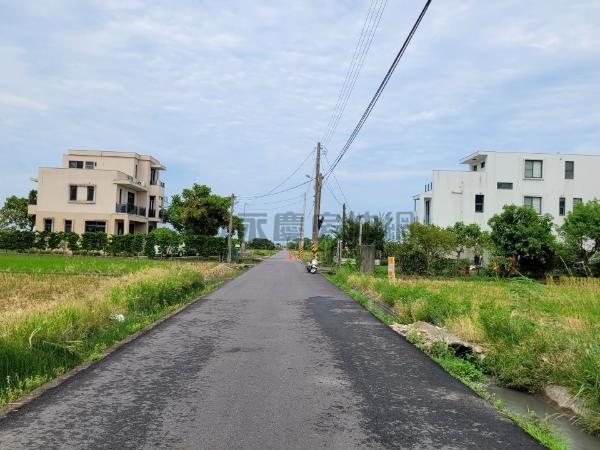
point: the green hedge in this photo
(162, 241)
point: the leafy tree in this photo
(14, 214)
(373, 232)
(581, 231)
(433, 242)
(261, 244)
(470, 236)
(199, 211)
(519, 233)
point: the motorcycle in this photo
(312, 266)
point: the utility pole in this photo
(301, 242)
(359, 230)
(230, 228)
(317, 205)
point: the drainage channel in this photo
(522, 403)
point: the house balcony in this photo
(130, 182)
(157, 214)
(125, 208)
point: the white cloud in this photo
(16, 101)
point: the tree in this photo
(14, 213)
(261, 244)
(198, 211)
(434, 242)
(373, 232)
(469, 236)
(519, 233)
(581, 231)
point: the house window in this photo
(135, 173)
(504, 185)
(92, 226)
(427, 220)
(474, 168)
(90, 193)
(483, 164)
(120, 195)
(68, 226)
(90, 164)
(533, 168)
(569, 170)
(561, 206)
(479, 198)
(48, 224)
(75, 164)
(577, 201)
(153, 176)
(535, 203)
(72, 192)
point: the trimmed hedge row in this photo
(161, 241)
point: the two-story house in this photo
(113, 192)
(548, 182)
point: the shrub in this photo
(94, 241)
(526, 237)
(204, 245)
(261, 244)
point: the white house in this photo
(548, 182)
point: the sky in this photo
(235, 94)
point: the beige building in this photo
(113, 192)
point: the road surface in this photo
(275, 359)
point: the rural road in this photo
(275, 359)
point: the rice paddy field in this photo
(532, 333)
(58, 311)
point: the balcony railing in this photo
(131, 209)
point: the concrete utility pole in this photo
(301, 242)
(317, 205)
(360, 230)
(230, 228)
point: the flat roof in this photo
(117, 153)
(468, 158)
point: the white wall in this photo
(453, 192)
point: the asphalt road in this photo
(275, 359)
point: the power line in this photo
(380, 89)
(333, 193)
(337, 181)
(252, 197)
(362, 49)
(294, 172)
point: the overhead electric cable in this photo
(356, 64)
(380, 89)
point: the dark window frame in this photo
(569, 171)
(69, 225)
(531, 174)
(479, 203)
(504, 185)
(73, 192)
(92, 226)
(48, 220)
(562, 206)
(91, 192)
(531, 205)
(75, 164)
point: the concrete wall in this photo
(453, 192)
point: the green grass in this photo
(41, 339)
(532, 333)
(59, 264)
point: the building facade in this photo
(549, 183)
(113, 192)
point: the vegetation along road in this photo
(276, 358)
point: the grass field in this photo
(533, 334)
(57, 311)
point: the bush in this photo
(94, 241)
(17, 240)
(167, 240)
(204, 245)
(261, 244)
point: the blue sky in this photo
(235, 94)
